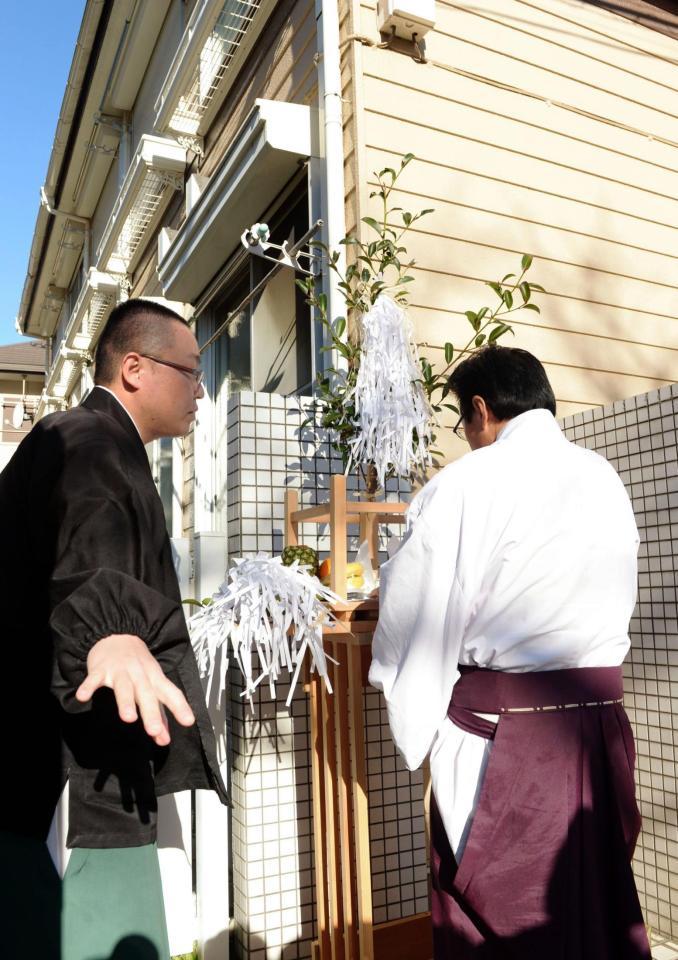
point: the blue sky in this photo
(37, 48)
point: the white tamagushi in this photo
(268, 611)
(391, 406)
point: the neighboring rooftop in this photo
(27, 357)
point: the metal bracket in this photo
(256, 241)
(173, 180)
(291, 253)
(124, 282)
(106, 120)
(54, 401)
(107, 151)
(191, 142)
(77, 356)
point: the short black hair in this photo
(134, 325)
(510, 381)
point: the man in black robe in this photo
(101, 686)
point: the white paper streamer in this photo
(390, 401)
(268, 610)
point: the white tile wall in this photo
(638, 436)
(272, 844)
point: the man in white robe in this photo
(519, 557)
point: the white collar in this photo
(98, 386)
(532, 420)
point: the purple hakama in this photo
(546, 871)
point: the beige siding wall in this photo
(547, 128)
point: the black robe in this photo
(85, 553)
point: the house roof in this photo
(26, 357)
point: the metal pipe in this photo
(329, 81)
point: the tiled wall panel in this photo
(638, 436)
(272, 845)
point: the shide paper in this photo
(272, 615)
(390, 402)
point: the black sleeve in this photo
(97, 583)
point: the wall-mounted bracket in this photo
(256, 241)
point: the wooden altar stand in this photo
(339, 773)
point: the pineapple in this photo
(306, 556)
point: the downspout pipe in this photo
(333, 192)
(86, 223)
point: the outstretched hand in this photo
(124, 663)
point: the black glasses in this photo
(197, 374)
(458, 429)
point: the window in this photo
(268, 346)
(160, 458)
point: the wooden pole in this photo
(338, 533)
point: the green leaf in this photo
(499, 331)
(526, 261)
(322, 302)
(424, 213)
(387, 170)
(496, 287)
(537, 287)
(525, 291)
(449, 352)
(406, 159)
(371, 222)
(507, 277)
(483, 313)
(339, 326)
(531, 306)
(366, 276)
(406, 279)
(480, 339)
(473, 319)
(507, 297)
(407, 218)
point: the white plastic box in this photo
(406, 16)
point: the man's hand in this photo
(125, 664)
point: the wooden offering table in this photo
(339, 772)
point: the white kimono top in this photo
(519, 556)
